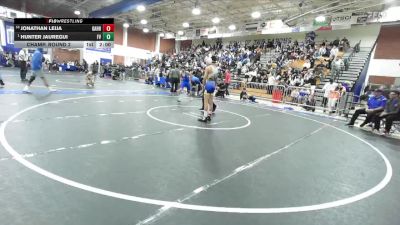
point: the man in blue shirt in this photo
(36, 64)
(376, 105)
(391, 113)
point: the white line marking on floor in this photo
(107, 142)
(81, 89)
(168, 204)
(193, 116)
(153, 218)
(86, 145)
(149, 113)
(78, 116)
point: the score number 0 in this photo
(108, 27)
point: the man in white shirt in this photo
(335, 68)
(322, 50)
(328, 87)
(334, 52)
(239, 67)
(307, 64)
(22, 58)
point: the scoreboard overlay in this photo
(64, 32)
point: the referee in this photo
(22, 58)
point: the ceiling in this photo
(168, 15)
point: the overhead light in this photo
(232, 27)
(256, 15)
(185, 24)
(145, 30)
(143, 22)
(140, 8)
(162, 35)
(216, 20)
(126, 25)
(77, 12)
(180, 33)
(196, 11)
(320, 19)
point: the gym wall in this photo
(61, 55)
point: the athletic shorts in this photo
(210, 87)
(37, 73)
(185, 85)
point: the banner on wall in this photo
(366, 17)
(203, 32)
(324, 28)
(190, 34)
(342, 19)
(324, 23)
(7, 36)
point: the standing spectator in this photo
(328, 87)
(239, 68)
(23, 58)
(334, 96)
(85, 66)
(1, 79)
(1, 82)
(336, 67)
(227, 80)
(332, 55)
(336, 42)
(376, 105)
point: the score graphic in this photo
(64, 32)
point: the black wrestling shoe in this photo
(202, 120)
(208, 118)
(215, 108)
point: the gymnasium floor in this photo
(125, 153)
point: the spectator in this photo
(23, 58)
(227, 80)
(244, 96)
(391, 113)
(334, 96)
(328, 87)
(336, 67)
(376, 105)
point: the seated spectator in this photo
(391, 113)
(244, 96)
(307, 64)
(376, 105)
